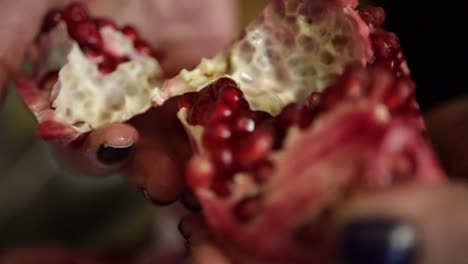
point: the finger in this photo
(202, 246)
(208, 253)
(158, 164)
(406, 225)
(157, 170)
(102, 152)
(448, 129)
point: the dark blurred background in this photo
(432, 37)
(41, 202)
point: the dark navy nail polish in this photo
(378, 241)
(112, 155)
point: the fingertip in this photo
(102, 152)
(157, 172)
(117, 135)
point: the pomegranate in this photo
(312, 104)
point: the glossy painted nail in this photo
(378, 241)
(113, 155)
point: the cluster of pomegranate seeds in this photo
(85, 30)
(386, 45)
(237, 138)
(376, 84)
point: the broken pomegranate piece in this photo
(90, 73)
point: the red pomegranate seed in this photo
(294, 114)
(244, 124)
(130, 33)
(248, 208)
(256, 115)
(49, 80)
(389, 64)
(108, 65)
(199, 115)
(75, 12)
(254, 147)
(121, 60)
(104, 22)
(223, 159)
(216, 134)
(313, 100)
(143, 48)
(86, 33)
(232, 96)
(200, 172)
(398, 95)
(207, 95)
(382, 49)
(51, 20)
(186, 100)
(374, 16)
(331, 97)
(93, 53)
(225, 82)
(222, 112)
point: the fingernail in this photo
(112, 155)
(155, 201)
(378, 241)
(184, 229)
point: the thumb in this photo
(406, 225)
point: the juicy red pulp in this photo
(85, 30)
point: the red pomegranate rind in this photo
(38, 101)
(354, 146)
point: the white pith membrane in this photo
(292, 49)
(86, 99)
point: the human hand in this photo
(155, 141)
